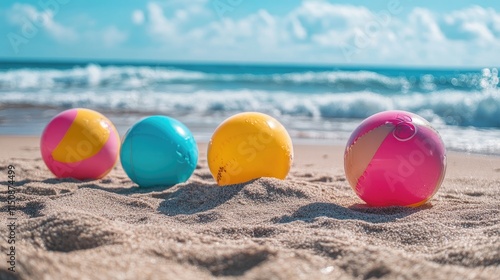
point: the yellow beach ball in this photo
(247, 146)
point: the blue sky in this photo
(390, 32)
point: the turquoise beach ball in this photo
(159, 151)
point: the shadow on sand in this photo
(361, 212)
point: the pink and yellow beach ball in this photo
(395, 158)
(81, 144)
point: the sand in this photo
(310, 226)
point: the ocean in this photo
(316, 104)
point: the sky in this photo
(458, 33)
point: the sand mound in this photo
(70, 231)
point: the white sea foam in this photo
(466, 109)
(126, 77)
(478, 109)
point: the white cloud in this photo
(112, 36)
(298, 31)
(320, 15)
(474, 23)
(138, 17)
(181, 22)
(481, 31)
(28, 17)
(30, 20)
(424, 26)
(315, 31)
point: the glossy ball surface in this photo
(159, 151)
(248, 146)
(395, 158)
(81, 144)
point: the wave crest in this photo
(479, 109)
(131, 77)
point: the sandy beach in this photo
(368, 74)
(309, 226)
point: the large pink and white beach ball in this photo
(81, 144)
(395, 158)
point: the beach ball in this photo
(395, 158)
(159, 151)
(81, 144)
(247, 146)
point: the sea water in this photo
(317, 104)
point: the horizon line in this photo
(148, 62)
